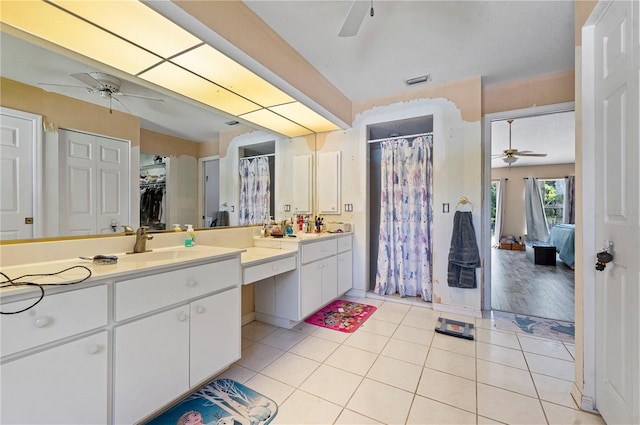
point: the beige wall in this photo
(65, 112)
(514, 217)
(539, 91)
(165, 145)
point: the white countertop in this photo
(257, 255)
(127, 264)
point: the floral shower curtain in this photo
(406, 218)
(254, 191)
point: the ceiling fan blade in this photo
(138, 96)
(354, 18)
(120, 102)
(89, 89)
(87, 79)
(530, 154)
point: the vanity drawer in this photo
(55, 317)
(142, 295)
(317, 250)
(265, 270)
(344, 243)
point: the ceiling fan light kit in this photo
(510, 156)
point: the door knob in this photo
(603, 257)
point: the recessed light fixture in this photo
(420, 79)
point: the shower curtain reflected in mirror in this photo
(254, 191)
(406, 218)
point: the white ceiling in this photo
(553, 134)
(450, 40)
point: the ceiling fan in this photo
(511, 155)
(105, 85)
(355, 17)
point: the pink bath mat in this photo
(341, 315)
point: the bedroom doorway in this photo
(515, 280)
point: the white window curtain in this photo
(500, 202)
(254, 191)
(406, 218)
(569, 204)
(537, 227)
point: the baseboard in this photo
(457, 310)
(356, 293)
(275, 321)
(248, 318)
(584, 402)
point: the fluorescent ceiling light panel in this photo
(215, 66)
(303, 115)
(52, 24)
(188, 84)
(135, 22)
(275, 122)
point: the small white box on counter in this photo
(337, 227)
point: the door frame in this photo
(486, 181)
(202, 187)
(36, 167)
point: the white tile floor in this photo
(396, 370)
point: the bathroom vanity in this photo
(323, 272)
(124, 343)
(141, 333)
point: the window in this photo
(494, 200)
(552, 191)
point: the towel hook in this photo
(464, 201)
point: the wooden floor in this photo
(519, 286)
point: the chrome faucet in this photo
(141, 241)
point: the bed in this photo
(562, 236)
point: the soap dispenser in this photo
(190, 239)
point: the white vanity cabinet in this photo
(179, 328)
(324, 272)
(55, 359)
(345, 264)
(318, 277)
(329, 182)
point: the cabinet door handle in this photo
(191, 283)
(182, 317)
(274, 268)
(93, 349)
(42, 322)
(200, 309)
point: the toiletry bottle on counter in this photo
(190, 239)
(176, 228)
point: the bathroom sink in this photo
(173, 254)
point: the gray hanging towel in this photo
(464, 257)
(222, 218)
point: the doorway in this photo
(514, 282)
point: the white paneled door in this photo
(17, 161)
(616, 77)
(94, 183)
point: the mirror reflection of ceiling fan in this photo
(355, 17)
(511, 155)
(105, 85)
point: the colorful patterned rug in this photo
(341, 315)
(535, 326)
(221, 402)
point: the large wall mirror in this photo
(38, 66)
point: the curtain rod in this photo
(258, 156)
(430, 133)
